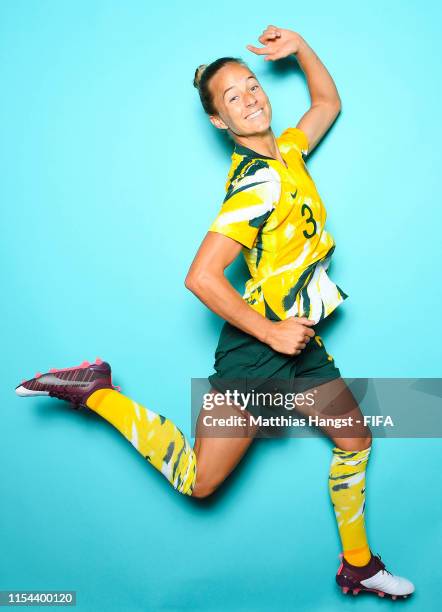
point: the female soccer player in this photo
(273, 213)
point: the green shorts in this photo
(243, 363)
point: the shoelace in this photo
(378, 556)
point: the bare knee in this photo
(203, 489)
(356, 444)
(204, 485)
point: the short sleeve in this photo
(247, 205)
(294, 139)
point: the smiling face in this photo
(243, 106)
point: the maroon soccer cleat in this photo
(74, 385)
(374, 578)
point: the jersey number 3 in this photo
(305, 209)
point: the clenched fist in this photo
(291, 335)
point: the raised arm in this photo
(325, 103)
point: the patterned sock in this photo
(347, 492)
(153, 435)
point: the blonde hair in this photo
(198, 74)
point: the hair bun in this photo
(198, 74)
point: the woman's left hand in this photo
(278, 43)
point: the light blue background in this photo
(111, 174)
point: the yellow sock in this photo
(153, 435)
(347, 492)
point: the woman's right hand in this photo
(291, 335)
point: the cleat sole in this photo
(356, 591)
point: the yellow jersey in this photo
(276, 213)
